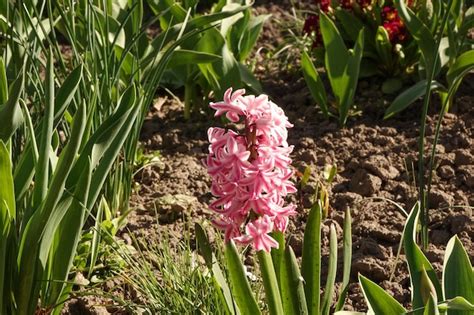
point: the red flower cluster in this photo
(311, 28)
(393, 25)
(363, 4)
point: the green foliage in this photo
(342, 67)
(289, 289)
(454, 295)
(69, 136)
(218, 56)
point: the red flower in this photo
(311, 28)
(324, 5)
(393, 25)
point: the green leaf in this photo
(409, 96)
(250, 36)
(205, 250)
(421, 34)
(188, 57)
(457, 303)
(10, 112)
(336, 56)
(417, 262)
(66, 92)
(351, 78)
(431, 308)
(458, 275)
(347, 249)
(314, 83)
(42, 167)
(463, 64)
(249, 79)
(311, 260)
(332, 269)
(350, 23)
(240, 286)
(7, 192)
(392, 85)
(3, 83)
(292, 285)
(379, 301)
(67, 237)
(270, 283)
(384, 46)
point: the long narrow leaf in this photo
(314, 83)
(379, 301)
(311, 261)
(239, 283)
(458, 274)
(331, 278)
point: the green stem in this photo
(270, 283)
(424, 217)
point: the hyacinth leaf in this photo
(417, 262)
(270, 283)
(422, 35)
(331, 278)
(458, 303)
(379, 301)
(7, 192)
(463, 64)
(348, 313)
(3, 83)
(409, 96)
(58, 182)
(66, 92)
(10, 112)
(218, 276)
(25, 168)
(187, 57)
(42, 167)
(239, 284)
(431, 308)
(40, 227)
(314, 83)
(458, 275)
(278, 254)
(311, 260)
(7, 216)
(292, 286)
(347, 249)
(67, 238)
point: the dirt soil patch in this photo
(376, 160)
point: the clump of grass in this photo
(169, 276)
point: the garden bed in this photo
(376, 162)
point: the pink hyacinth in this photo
(250, 170)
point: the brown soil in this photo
(375, 159)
